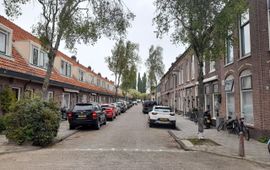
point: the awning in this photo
(71, 90)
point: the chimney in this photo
(99, 74)
(90, 68)
(74, 57)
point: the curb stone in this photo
(55, 141)
(191, 148)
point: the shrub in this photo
(2, 124)
(33, 120)
(7, 99)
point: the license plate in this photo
(163, 119)
(81, 115)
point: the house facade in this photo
(23, 64)
(238, 84)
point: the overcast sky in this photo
(141, 32)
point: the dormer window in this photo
(5, 41)
(65, 68)
(39, 58)
(81, 75)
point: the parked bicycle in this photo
(243, 128)
(231, 125)
(234, 126)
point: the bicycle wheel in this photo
(220, 126)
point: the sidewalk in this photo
(229, 143)
(6, 147)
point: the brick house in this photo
(238, 84)
(23, 64)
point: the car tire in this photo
(97, 126)
(71, 127)
(150, 125)
(105, 121)
(174, 126)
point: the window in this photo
(182, 76)
(229, 55)
(212, 66)
(5, 40)
(81, 75)
(204, 68)
(17, 92)
(35, 56)
(98, 82)
(50, 95)
(65, 68)
(192, 67)
(188, 71)
(268, 14)
(229, 90)
(66, 100)
(245, 34)
(246, 97)
(39, 58)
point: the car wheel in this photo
(150, 124)
(71, 127)
(174, 126)
(105, 121)
(97, 126)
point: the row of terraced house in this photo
(237, 84)
(23, 64)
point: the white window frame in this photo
(212, 67)
(246, 90)
(242, 26)
(229, 48)
(42, 57)
(193, 67)
(81, 75)
(230, 78)
(50, 95)
(8, 44)
(268, 16)
(203, 69)
(19, 92)
(65, 71)
(188, 71)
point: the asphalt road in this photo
(127, 143)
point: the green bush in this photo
(7, 99)
(33, 120)
(2, 124)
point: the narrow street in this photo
(125, 143)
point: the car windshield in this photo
(105, 105)
(162, 109)
(82, 107)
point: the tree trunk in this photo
(201, 97)
(46, 81)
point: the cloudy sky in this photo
(141, 32)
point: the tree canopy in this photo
(123, 63)
(205, 25)
(74, 21)
(155, 66)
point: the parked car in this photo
(135, 102)
(110, 111)
(148, 106)
(122, 106)
(162, 115)
(130, 104)
(86, 114)
(118, 109)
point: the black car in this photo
(148, 106)
(86, 114)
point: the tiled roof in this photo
(17, 62)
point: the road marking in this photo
(115, 150)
